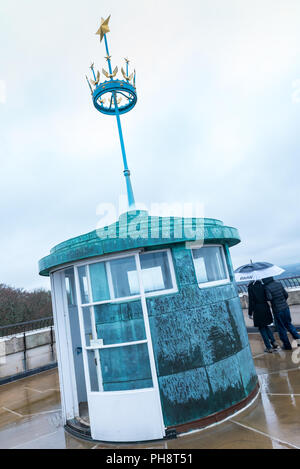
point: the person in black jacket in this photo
(262, 316)
(282, 315)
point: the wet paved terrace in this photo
(30, 413)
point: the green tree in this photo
(18, 305)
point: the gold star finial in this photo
(104, 28)
(127, 60)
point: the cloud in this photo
(216, 122)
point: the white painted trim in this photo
(150, 345)
(172, 270)
(96, 259)
(112, 301)
(132, 416)
(58, 349)
(214, 284)
(63, 348)
(109, 280)
(123, 344)
(153, 391)
(134, 297)
(155, 399)
(108, 257)
(131, 298)
(161, 292)
(94, 331)
(82, 332)
(120, 393)
(69, 342)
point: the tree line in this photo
(18, 305)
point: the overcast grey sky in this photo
(217, 121)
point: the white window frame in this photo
(113, 299)
(108, 257)
(169, 291)
(213, 283)
(136, 254)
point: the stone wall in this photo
(14, 344)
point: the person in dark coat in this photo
(262, 316)
(282, 315)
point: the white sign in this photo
(96, 343)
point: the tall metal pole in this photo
(130, 196)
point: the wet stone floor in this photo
(30, 413)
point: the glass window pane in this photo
(209, 264)
(156, 271)
(88, 328)
(125, 368)
(99, 283)
(83, 282)
(200, 269)
(70, 287)
(124, 277)
(92, 364)
(120, 323)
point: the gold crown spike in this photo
(104, 28)
(89, 84)
(110, 75)
(128, 78)
(112, 101)
(97, 81)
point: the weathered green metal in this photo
(201, 348)
(136, 229)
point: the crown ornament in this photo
(114, 96)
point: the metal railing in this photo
(25, 364)
(22, 327)
(290, 282)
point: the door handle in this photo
(78, 350)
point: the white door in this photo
(122, 387)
